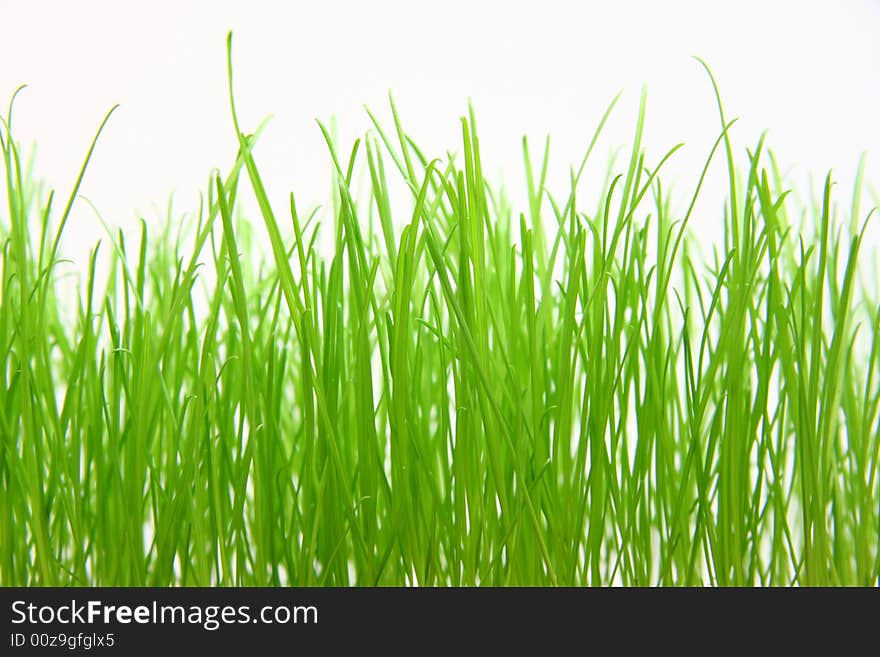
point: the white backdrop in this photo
(809, 72)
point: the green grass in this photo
(458, 394)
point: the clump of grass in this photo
(463, 396)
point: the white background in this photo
(809, 72)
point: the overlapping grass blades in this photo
(462, 396)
